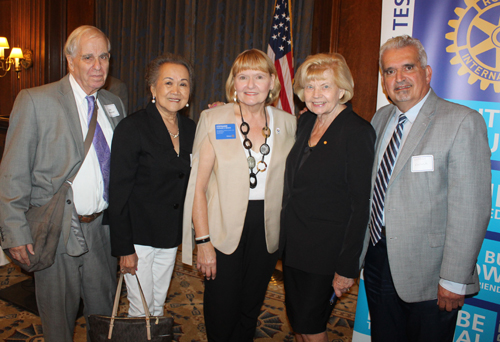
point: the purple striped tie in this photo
(101, 147)
(383, 176)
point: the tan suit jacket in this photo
(228, 187)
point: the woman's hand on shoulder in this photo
(128, 263)
(215, 104)
(341, 284)
(206, 260)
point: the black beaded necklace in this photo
(264, 149)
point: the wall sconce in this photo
(16, 58)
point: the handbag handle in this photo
(115, 308)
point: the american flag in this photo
(280, 50)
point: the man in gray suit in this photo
(44, 148)
(430, 206)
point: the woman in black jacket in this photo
(326, 199)
(150, 167)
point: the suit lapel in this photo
(381, 131)
(416, 134)
(68, 104)
(105, 101)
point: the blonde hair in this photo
(253, 60)
(314, 67)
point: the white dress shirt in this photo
(88, 185)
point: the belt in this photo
(89, 218)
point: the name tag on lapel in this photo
(423, 163)
(225, 131)
(112, 110)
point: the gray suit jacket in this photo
(44, 147)
(436, 221)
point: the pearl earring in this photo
(187, 104)
(235, 98)
(154, 99)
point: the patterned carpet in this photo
(185, 304)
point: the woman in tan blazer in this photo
(234, 197)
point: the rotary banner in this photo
(462, 41)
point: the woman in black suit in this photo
(150, 167)
(326, 199)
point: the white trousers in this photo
(154, 269)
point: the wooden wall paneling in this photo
(28, 21)
(38, 43)
(326, 23)
(352, 28)
(55, 37)
(41, 26)
(26, 24)
(6, 98)
(80, 12)
(359, 43)
(13, 42)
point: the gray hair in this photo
(74, 38)
(153, 69)
(403, 41)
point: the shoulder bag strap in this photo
(89, 137)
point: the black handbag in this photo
(130, 329)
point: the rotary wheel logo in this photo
(476, 42)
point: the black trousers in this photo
(392, 319)
(233, 300)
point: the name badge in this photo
(424, 163)
(225, 131)
(111, 110)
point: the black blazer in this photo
(326, 201)
(148, 182)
